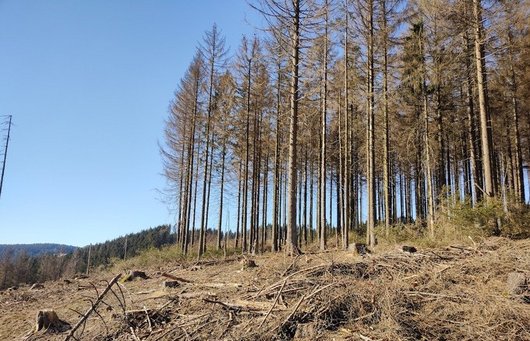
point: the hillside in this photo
(457, 292)
(43, 262)
(37, 249)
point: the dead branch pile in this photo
(452, 294)
(457, 293)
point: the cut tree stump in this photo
(133, 274)
(516, 283)
(409, 249)
(171, 284)
(248, 263)
(48, 320)
(306, 331)
(360, 248)
(37, 286)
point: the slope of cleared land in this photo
(452, 293)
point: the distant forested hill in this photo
(37, 249)
(124, 246)
(42, 262)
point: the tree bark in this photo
(291, 242)
(485, 122)
(371, 124)
(221, 197)
(322, 177)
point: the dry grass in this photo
(456, 292)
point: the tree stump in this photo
(516, 283)
(306, 331)
(360, 248)
(36, 286)
(409, 249)
(133, 274)
(247, 263)
(171, 284)
(48, 320)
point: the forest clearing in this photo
(457, 292)
(355, 170)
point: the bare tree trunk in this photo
(474, 149)
(331, 206)
(401, 198)
(371, 124)
(221, 195)
(518, 166)
(206, 160)
(238, 226)
(299, 203)
(337, 208)
(277, 179)
(306, 178)
(180, 194)
(185, 216)
(291, 241)
(208, 192)
(311, 192)
(346, 172)
(283, 234)
(253, 189)
(258, 145)
(195, 202)
(427, 160)
(244, 214)
(386, 134)
(323, 119)
(408, 196)
(485, 121)
(265, 203)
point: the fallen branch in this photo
(134, 334)
(421, 293)
(273, 304)
(364, 338)
(290, 266)
(291, 314)
(233, 307)
(180, 279)
(278, 283)
(92, 308)
(148, 319)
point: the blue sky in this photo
(88, 84)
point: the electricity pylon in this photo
(5, 152)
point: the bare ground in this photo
(453, 293)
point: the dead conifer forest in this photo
(355, 170)
(353, 119)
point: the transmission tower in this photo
(6, 145)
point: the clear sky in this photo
(88, 84)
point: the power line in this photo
(5, 153)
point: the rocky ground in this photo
(477, 292)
